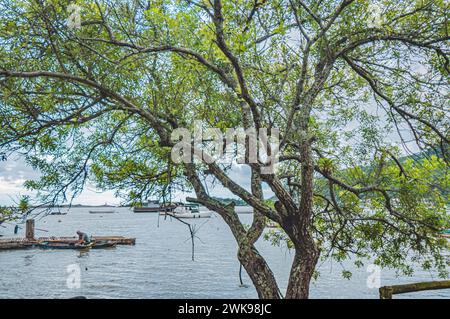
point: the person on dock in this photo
(83, 238)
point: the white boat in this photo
(187, 212)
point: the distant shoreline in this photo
(68, 206)
(89, 206)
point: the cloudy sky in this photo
(14, 172)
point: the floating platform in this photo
(14, 243)
(22, 243)
(120, 240)
(30, 241)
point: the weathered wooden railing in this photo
(386, 292)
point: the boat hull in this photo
(154, 209)
(64, 246)
(101, 212)
(189, 215)
(103, 244)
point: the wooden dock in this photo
(21, 243)
(30, 241)
(14, 243)
(120, 240)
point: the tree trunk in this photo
(259, 272)
(299, 227)
(255, 265)
(249, 257)
(301, 273)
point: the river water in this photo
(160, 265)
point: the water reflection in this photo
(28, 260)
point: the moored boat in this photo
(60, 245)
(102, 211)
(103, 244)
(58, 213)
(188, 211)
(445, 233)
(153, 206)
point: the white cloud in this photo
(14, 172)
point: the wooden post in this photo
(29, 233)
(385, 292)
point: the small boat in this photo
(60, 245)
(445, 233)
(153, 206)
(58, 213)
(188, 211)
(103, 244)
(102, 211)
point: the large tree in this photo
(349, 84)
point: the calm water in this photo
(160, 266)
